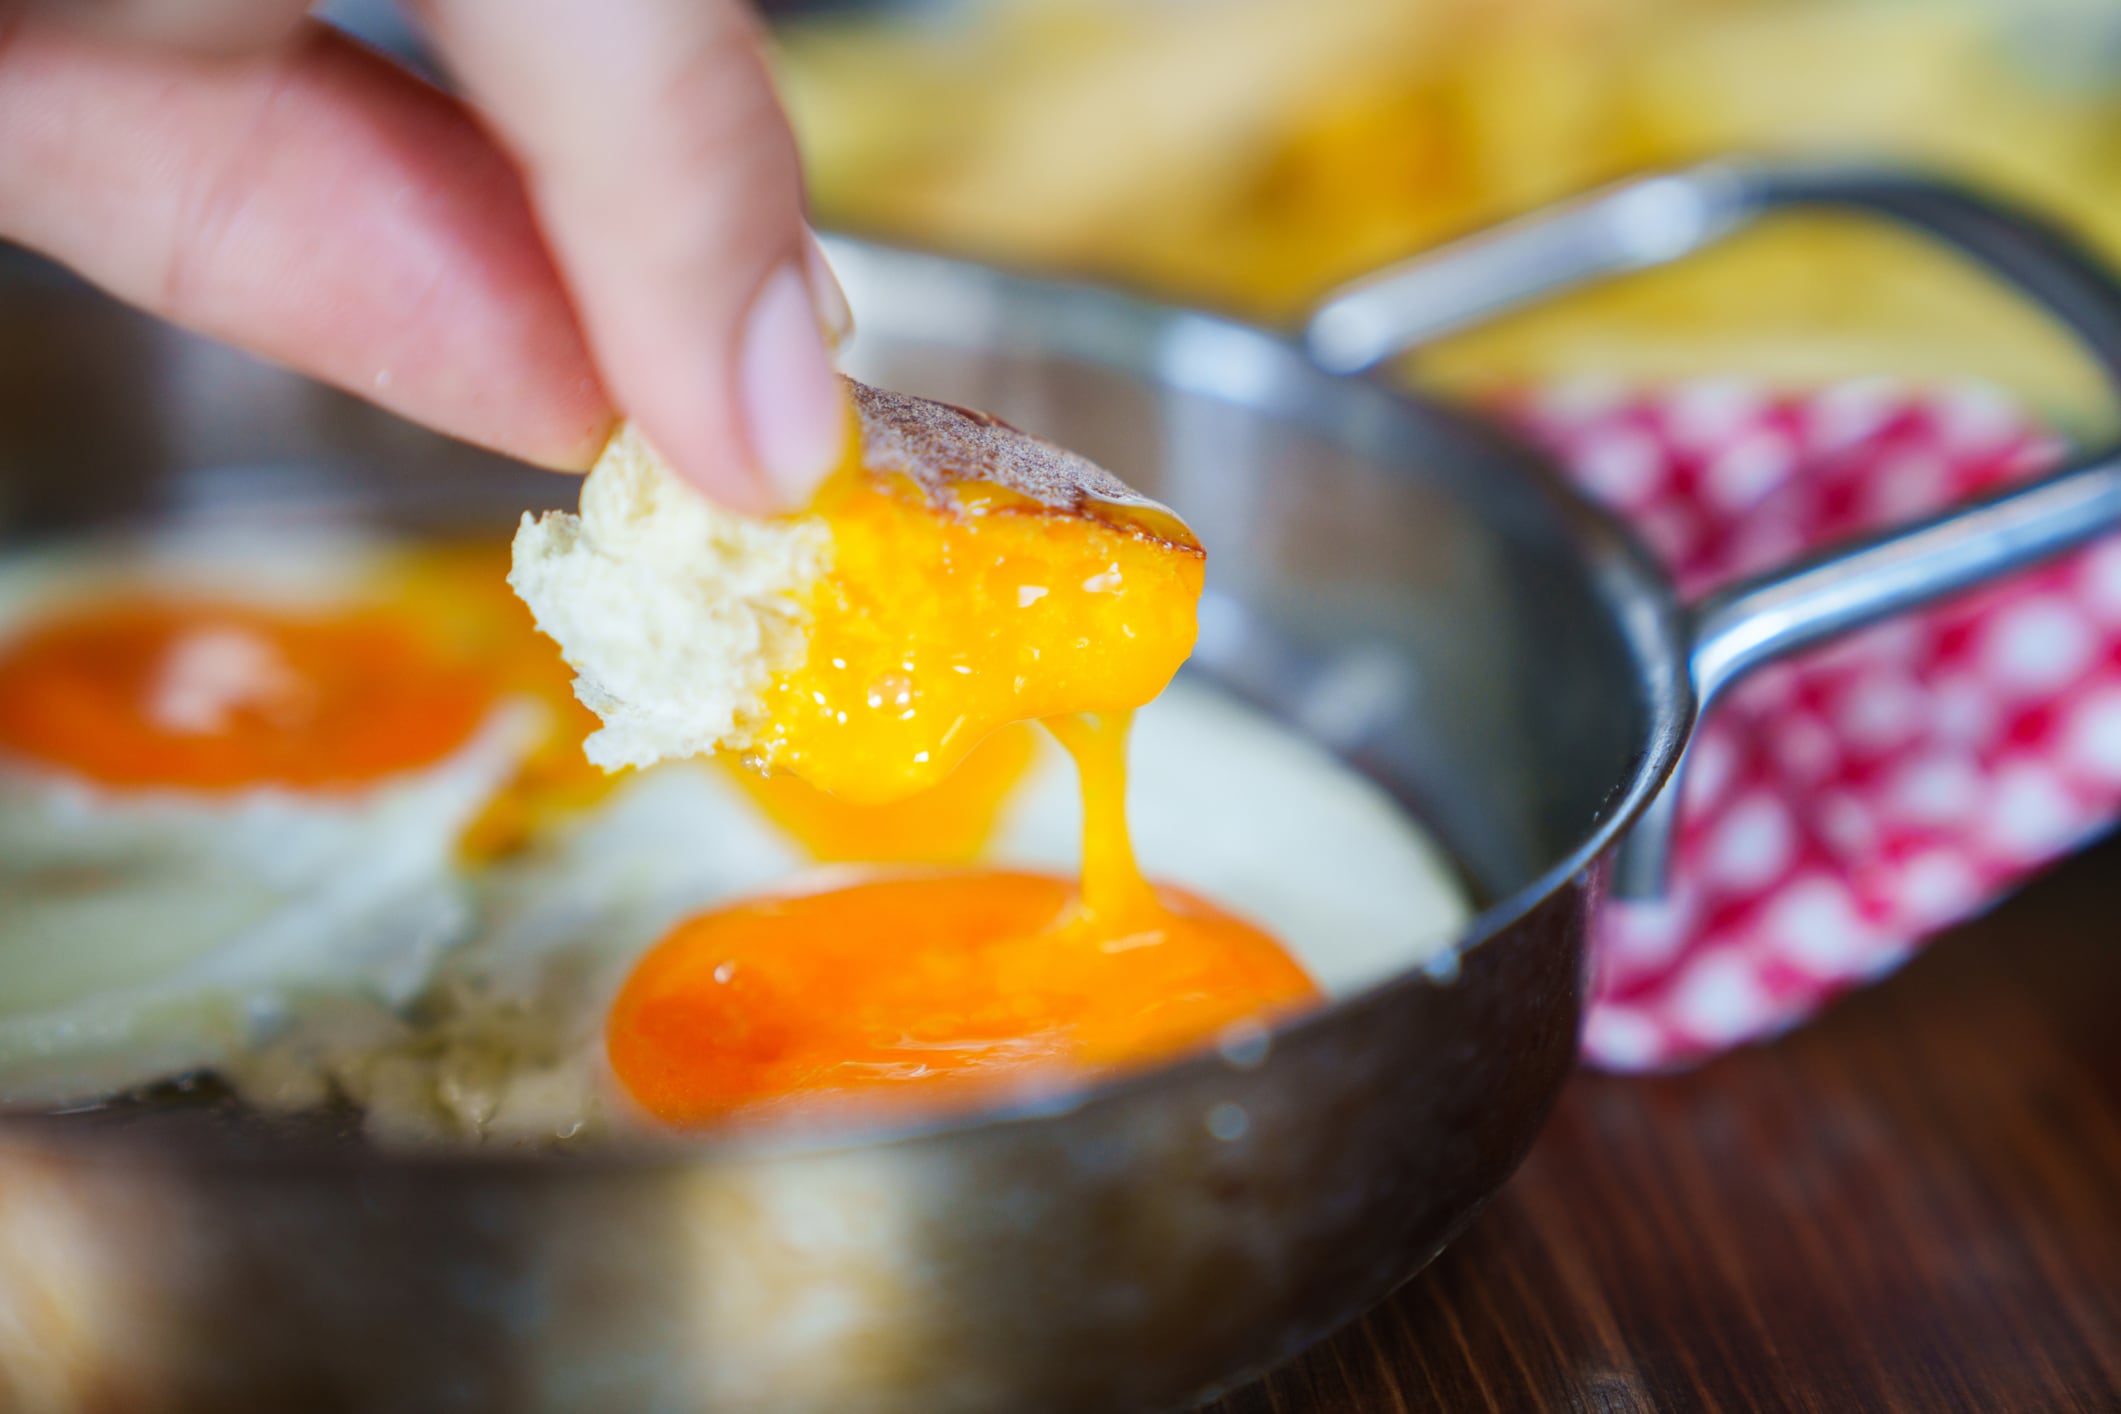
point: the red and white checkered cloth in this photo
(1841, 807)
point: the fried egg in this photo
(955, 577)
(234, 779)
(511, 1042)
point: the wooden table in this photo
(1912, 1204)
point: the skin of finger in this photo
(668, 184)
(318, 206)
(198, 26)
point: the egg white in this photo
(148, 933)
(508, 1041)
(508, 1044)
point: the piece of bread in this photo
(673, 613)
(676, 614)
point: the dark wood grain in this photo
(1912, 1204)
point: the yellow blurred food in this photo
(1249, 154)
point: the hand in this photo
(617, 222)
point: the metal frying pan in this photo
(1395, 579)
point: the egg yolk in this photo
(211, 696)
(933, 989)
(936, 626)
(906, 992)
(949, 823)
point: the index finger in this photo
(667, 183)
(316, 205)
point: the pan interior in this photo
(1395, 582)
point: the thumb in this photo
(666, 180)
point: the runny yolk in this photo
(949, 823)
(905, 993)
(925, 990)
(209, 696)
(935, 627)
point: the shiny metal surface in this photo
(1634, 225)
(1408, 586)
(1652, 220)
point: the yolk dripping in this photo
(909, 992)
(936, 626)
(207, 696)
(940, 621)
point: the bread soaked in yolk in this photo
(217, 697)
(936, 626)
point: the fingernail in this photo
(791, 397)
(835, 317)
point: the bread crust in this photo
(941, 447)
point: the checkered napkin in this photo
(1841, 807)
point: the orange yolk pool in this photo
(143, 693)
(906, 993)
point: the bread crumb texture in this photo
(674, 613)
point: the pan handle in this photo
(1652, 220)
